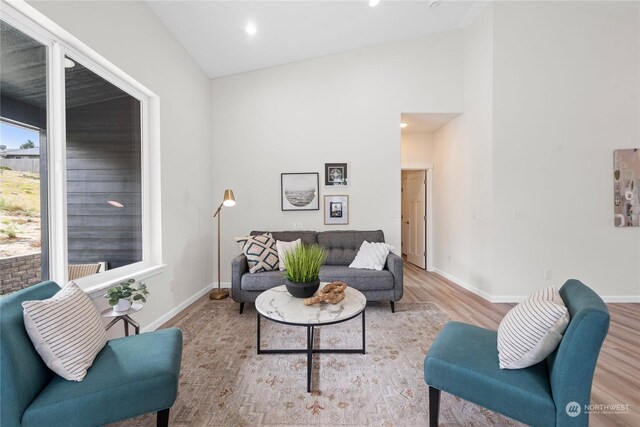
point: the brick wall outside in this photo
(19, 272)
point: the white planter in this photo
(123, 305)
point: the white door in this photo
(415, 194)
(404, 216)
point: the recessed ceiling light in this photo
(374, 3)
(251, 29)
(403, 125)
(434, 3)
(69, 63)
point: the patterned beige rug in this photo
(225, 383)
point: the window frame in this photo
(59, 44)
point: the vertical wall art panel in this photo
(626, 187)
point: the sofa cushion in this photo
(463, 360)
(66, 331)
(372, 256)
(261, 252)
(261, 281)
(307, 237)
(129, 377)
(284, 247)
(342, 246)
(362, 280)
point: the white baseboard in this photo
(508, 298)
(621, 298)
(176, 310)
(520, 298)
(462, 283)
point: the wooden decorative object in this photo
(332, 293)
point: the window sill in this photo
(95, 285)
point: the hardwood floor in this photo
(617, 376)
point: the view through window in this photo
(23, 166)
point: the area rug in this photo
(225, 383)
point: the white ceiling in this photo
(213, 32)
(425, 122)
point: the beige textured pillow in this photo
(285, 247)
(66, 331)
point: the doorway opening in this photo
(419, 155)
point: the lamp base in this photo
(219, 294)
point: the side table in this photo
(124, 316)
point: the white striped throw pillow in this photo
(371, 256)
(66, 331)
(532, 330)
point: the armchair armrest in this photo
(239, 267)
(395, 267)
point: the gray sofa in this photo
(342, 247)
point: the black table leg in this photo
(309, 350)
(309, 356)
(258, 335)
(363, 333)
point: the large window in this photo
(104, 205)
(79, 169)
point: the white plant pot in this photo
(123, 305)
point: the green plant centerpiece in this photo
(123, 294)
(303, 269)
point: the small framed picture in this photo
(336, 210)
(299, 191)
(335, 174)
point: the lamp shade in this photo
(229, 199)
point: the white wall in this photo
(551, 89)
(416, 150)
(566, 94)
(130, 36)
(463, 165)
(338, 108)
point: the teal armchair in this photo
(463, 361)
(129, 377)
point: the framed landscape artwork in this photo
(299, 191)
(336, 210)
(626, 187)
(335, 174)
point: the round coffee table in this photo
(278, 305)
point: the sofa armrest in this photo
(395, 267)
(239, 267)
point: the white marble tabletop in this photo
(279, 305)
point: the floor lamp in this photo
(228, 200)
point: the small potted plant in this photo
(123, 294)
(303, 268)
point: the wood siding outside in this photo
(103, 164)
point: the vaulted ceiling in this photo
(213, 32)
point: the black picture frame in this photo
(300, 191)
(336, 174)
(336, 209)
